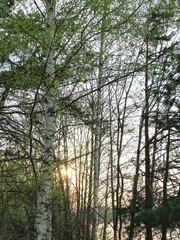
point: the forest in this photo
(89, 120)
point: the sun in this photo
(66, 172)
(63, 172)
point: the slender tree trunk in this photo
(43, 221)
(87, 186)
(135, 185)
(90, 193)
(120, 137)
(164, 227)
(106, 205)
(120, 180)
(148, 183)
(97, 147)
(68, 232)
(78, 193)
(97, 142)
(112, 167)
(154, 147)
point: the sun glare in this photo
(66, 172)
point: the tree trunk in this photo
(112, 167)
(68, 230)
(165, 181)
(90, 193)
(97, 142)
(148, 183)
(43, 221)
(106, 205)
(135, 185)
(97, 147)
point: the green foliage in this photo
(17, 215)
(167, 214)
(5, 7)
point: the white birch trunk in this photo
(97, 143)
(43, 221)
(96, 169)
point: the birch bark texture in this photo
(97, 143)
(43, 221)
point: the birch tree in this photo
(97, 133)
(43, 222)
